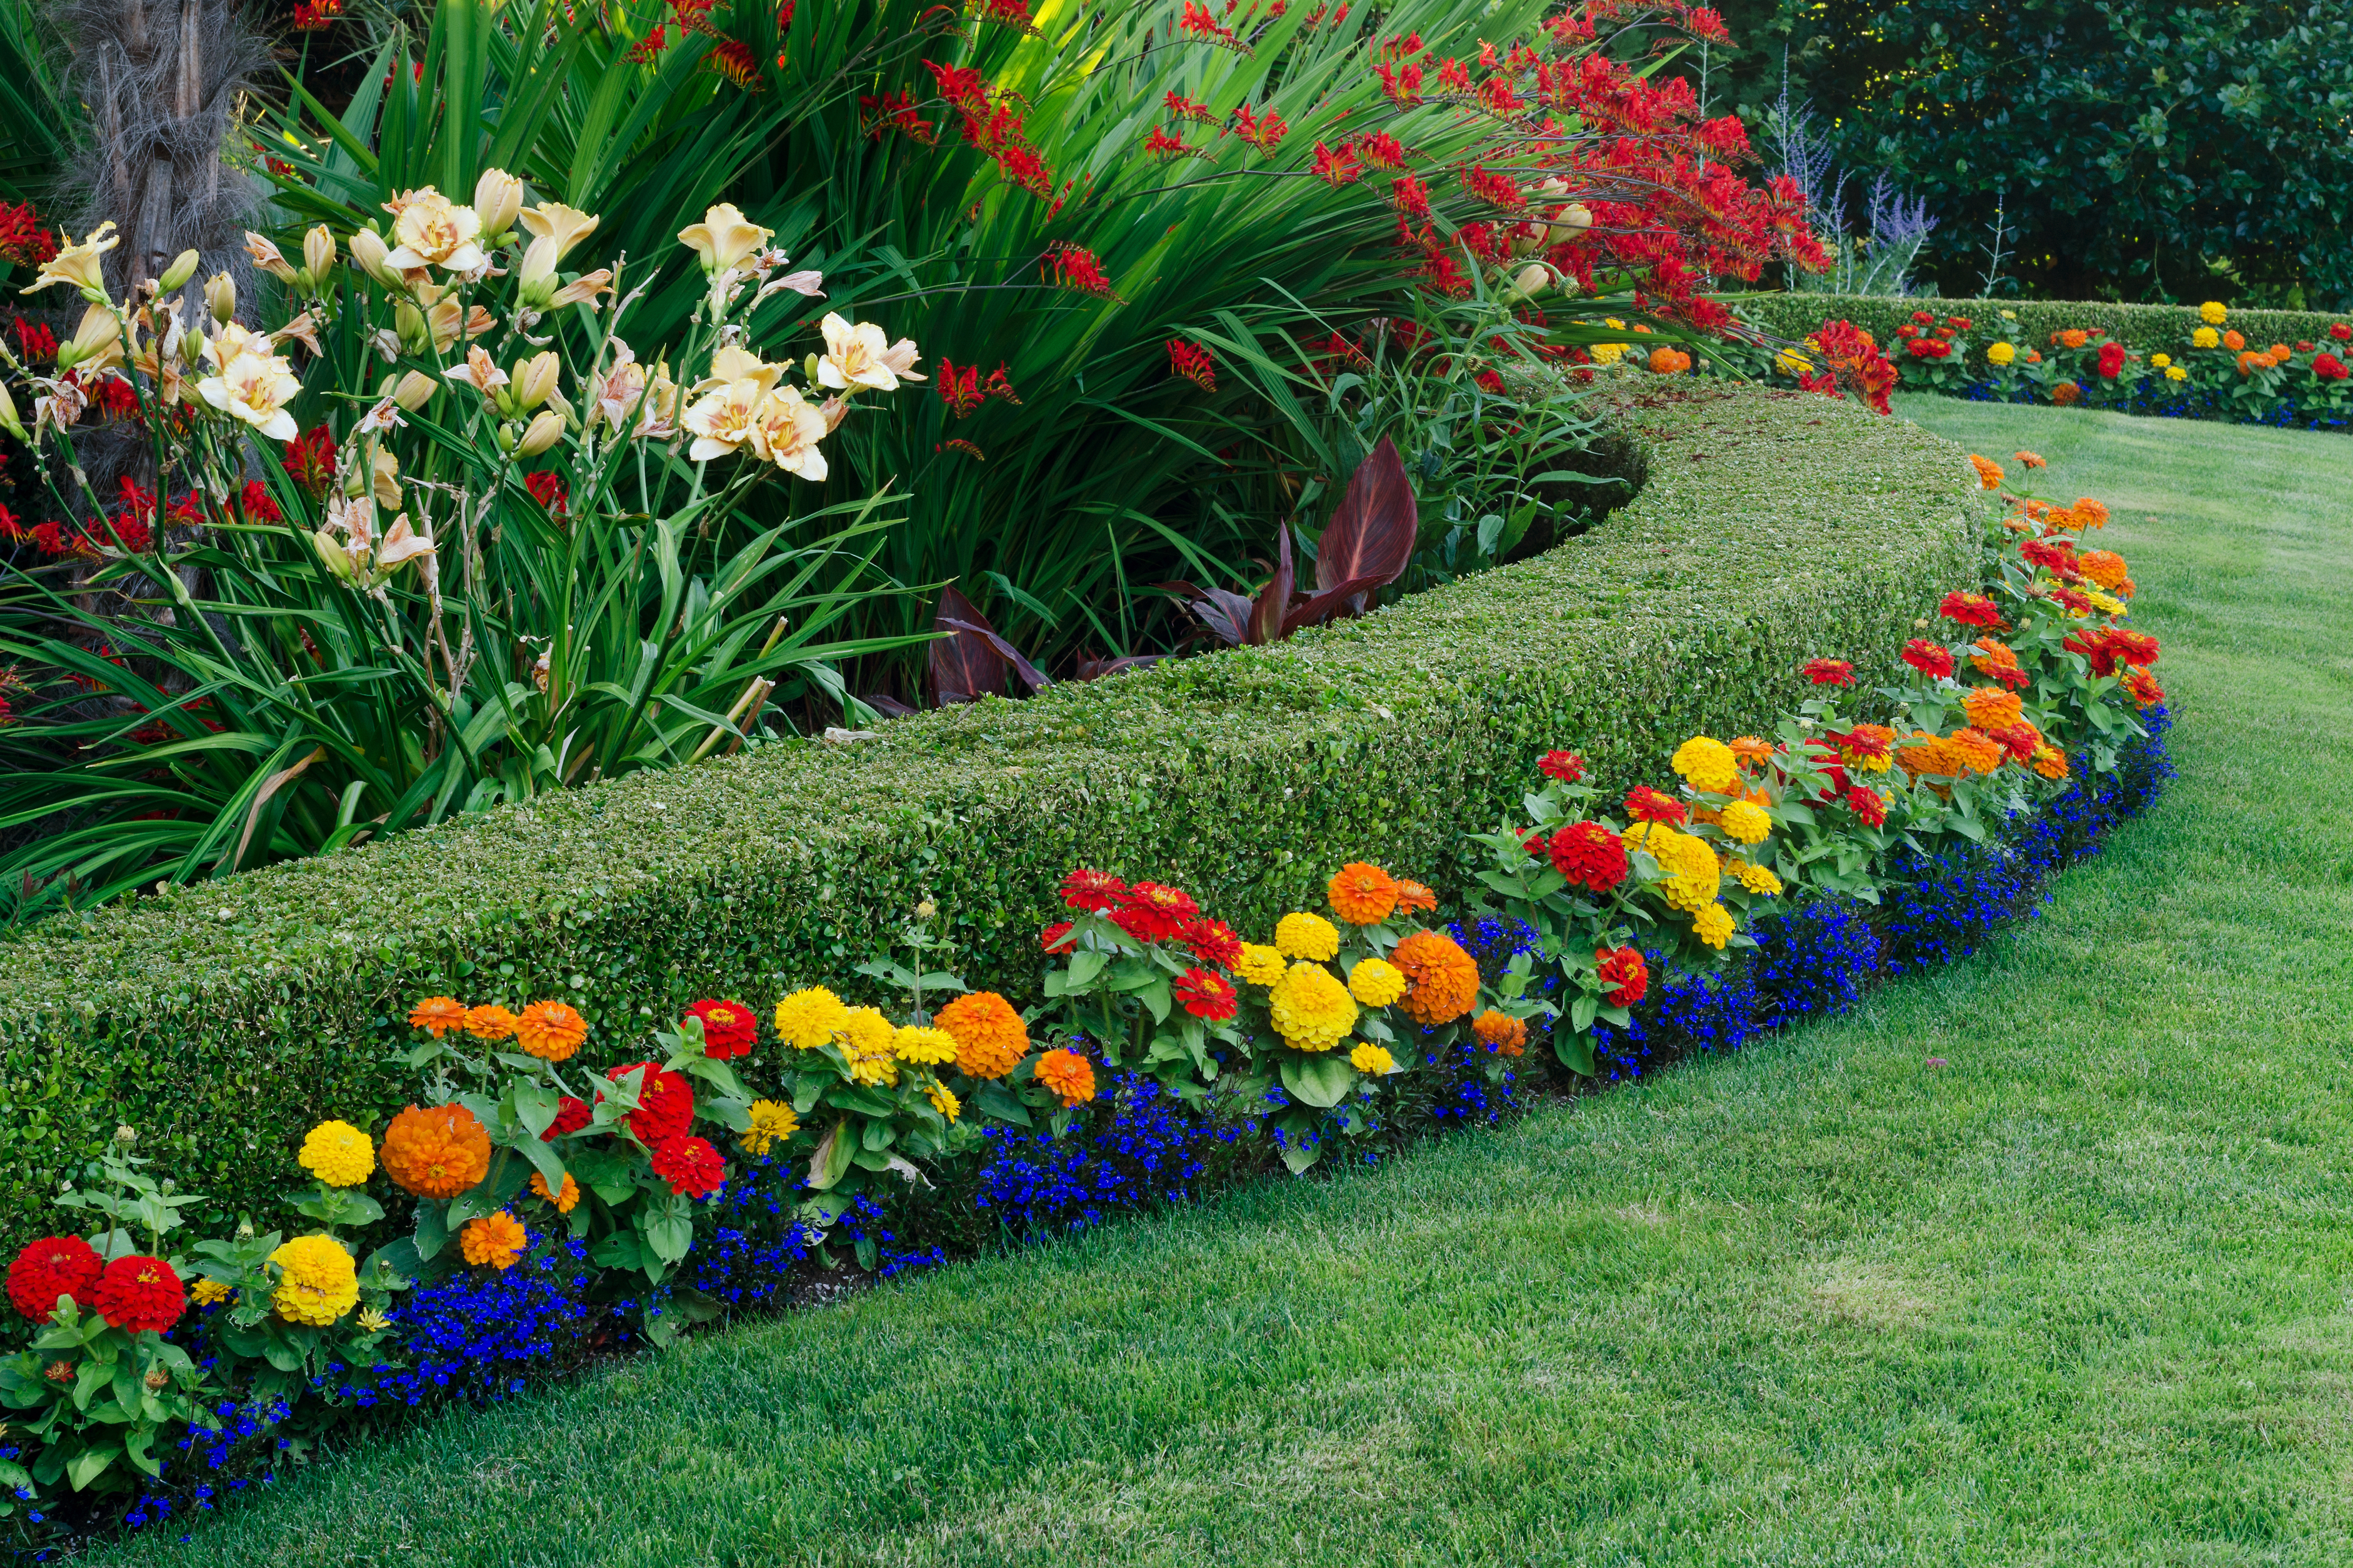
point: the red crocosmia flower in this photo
(140, 1294)
(259, 507)
(1056, 938)
(665, 1101)
(2073, 599)
(1075, 266)
(52, 1267)
(1932, 659)
(1094, 891)
(1590, 855)
(572, 1113)
(1194, 363)
(1644, 804)
(1829, 671)
(691, 1165)
(729, 1029)
(310, 461)
(1973, 610)
(1206, 995)
(1566, 766)
(1153, 913)
(1868, 805)
(1622, 969)
(1212, 942)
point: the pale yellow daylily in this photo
(443, 319)
(567, 227)
(584, 290)
(790, 430)
(732, 363)
(319, 252)
(81, 266)
(414, 390)
(234, 340)
(254, 389)
(862, 356)
(477, 371)
(725, 419)
(430, 230)
(725, 237)
(96, 345)
(374, 256)
(545, 427)
(498, 197)
(267, 257)
(535, 378)
(220, 297)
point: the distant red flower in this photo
(1153, 912)
(691, 1165)
(959, 389)
(1868, 805)
(1191, 109)
(1161, 144)
(1056, 938)
(2112, 360)
(572, 1113)
(1566, 766)
(1212, 942)
(733, 58)
(1621, 969)
(140, 1294)
(1644, 804)
(52, 1267)
(2328, 367)
(1206, 995)
(729, 1029)
(258, 504)
(1341, 168)
(24, 241)
(1072, 266)
(1973, 610)
(1828, 671)
(310, 461)
(2340, 331)
(1194, 363)
(1262, 128)
(1932, 659)
(549, 490)
(1094, 891)
(1381, 150)
(1590, 855)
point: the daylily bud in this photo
(415, 390)
(538, 275)
(1568, 225)
(409, 322)
(97, 342)
(508, 433)
(536, 379)
(556, 400)
(383, 479)
(319, 253)
(498, 197)
(1533, 279)
(183, 268)
(545, 429)
(332, 556)
(8, 420)
(220, 297)
(369, 250)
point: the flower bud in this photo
(1569, 224)
(1533, 279)
(319, 253)
(498, 197)
(537, 278)
(409, 322)
(415, 390)
(97, 342)
(369, 250)
(220, 297)
(536, 379)
(545, 429)
(183, 268)
(507, 432)
(8, 420)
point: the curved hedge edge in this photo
(222, 1019)
(2145, 328)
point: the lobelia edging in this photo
(223, 1019)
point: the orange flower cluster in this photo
(550, 1030)
(1363, 894)
(990, 1037)
(1443, 981)
(435, 1151)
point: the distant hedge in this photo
(222, 1019)
(2145, 328)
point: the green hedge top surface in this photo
(222, 1019)
(2145, 328)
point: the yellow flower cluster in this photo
(1311, 1010)
(1375, 982)
(1754, 878)
(1689, 863)
(2206, 338)
(1372, 1061)
(923, 1046)
(1306, 936)
(2213, 312)
(321, 1282)
(1744, 822)
(1713, 925)
(809, 1018)
(338, 1153)
(1709, 764)
(867, 1040)
(943, 1101)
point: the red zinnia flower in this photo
(52, 1267)
(1212, 942)
(691, 1165)
(1868, 805)
(1644, 804)
(665, 1102)
(1566, 766)
(1056, 938)
(1829, 671)
(1150, 911)
(1931, 660)
(572, 1113)
(1623, 969)
(1973, 610)
(1094, 891)
(1590, 855)
(140, 1293)
(1206, 995)
(729, 1029)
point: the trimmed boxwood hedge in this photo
(2145, 328)
(224, 1019)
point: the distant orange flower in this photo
(1992, 708)
(1069, 1075)
(2094, 514)
(491, 1022)
(1979, 750)
(550, 1031)
(1412, 895)
(436, 1015)
(2074, 337)
(2066, 394)
(1752, 749)
(1989, 474)
(1501, 1033)
(2234, 342)
(1445, 979)
(1363, 894)
(2105, 567)
(2030, 459)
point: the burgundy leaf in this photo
(1273, 602)
(889, 707)
(964, 665)
(1372, 535)
(1031, 676)
(1096, 668)
(1228, 615)
(1323, 606)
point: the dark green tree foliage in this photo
(2145, 152)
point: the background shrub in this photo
(223, 1019)
(2144, 329)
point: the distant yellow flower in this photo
(2175, 372)
(205, 1292)
(2001, 352)
(925, 1047)
(1708, 763)
(2206, 338)
(2160, 361)
(2212, 313)
(725, 237)
(1260, 964)
(338, 1153)
(1608, 354)
(1755, 878)
(1746, 822)
(771, 1120)
(1375, 982)
(79, 265)
(1298, 935)
(1713, 925)
(1372, 1061)
(943, 1101)
(807, 1018)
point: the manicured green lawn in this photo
(2079, 1298)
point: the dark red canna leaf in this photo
(1372, 535)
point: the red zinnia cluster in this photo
(140, 1294)
(729, 1029)
(691, 1165)
(52, 1267)
(1150, 911)
(1932, 659)
(1566, 766)
(665, 1102)
(2111, 647)
(1212, 942)
(1973, 610)
(1622, 969)
(572, 1113)
(1829, 672)
(1206, 995)
(1644, 804)
(1056, 938)
(1590, 855)
(1868, 805)
(1091, 892)
(2328, 367)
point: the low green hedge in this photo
(223, 1019)
(2144, 329)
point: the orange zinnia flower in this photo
(1069, 1075)
(1363, 894)
(1501, 1033)
(2234, 342)
(1444, 979)
(2030, 459)
(1989, 474)
(436, 1015)
(437, 1151)
(1752, 749)
(550, 1031)
(490, 1022)
(1412, 895)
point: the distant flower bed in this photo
(536, 1210)
(2214, 373)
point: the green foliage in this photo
(2158, 152)
(222, 1019)
(2144, 329)
(39, 117)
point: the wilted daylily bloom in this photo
(443, 319)
(255, 388)
(430, 230)
(82, 265)
(480, 372)
(725, 237)
(860, 356)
